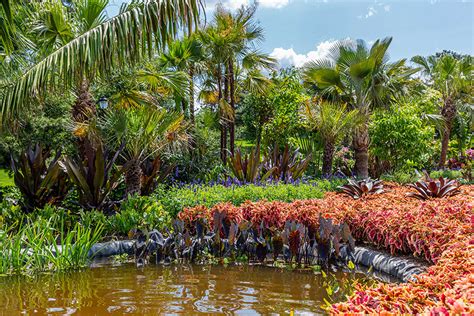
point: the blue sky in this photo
(300, 30)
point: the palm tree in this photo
(363, 79)
(184, 55)
(145, 131)
(452, 76)
(234, 64)
(137, 31)
(332, 122)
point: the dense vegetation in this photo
(114, 125)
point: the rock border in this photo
(403, 268)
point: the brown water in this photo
(177, 289)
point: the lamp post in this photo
(103, 103)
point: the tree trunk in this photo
(361, 148)
(84, 107)
(191, 95)
(232, 105)
(223, 140)
(449, 113)
(133, 177)
(328, 158)
(82, 111)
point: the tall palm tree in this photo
(452, 76)
(234, 63)
(184, 55)
(137, 31)
(332, 122)
(363, 79)
(145, 131)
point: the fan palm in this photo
(363, 79)
(145, 131)
(332, 121)
(184, 55)
(452, 77)
(234, 63)
(137, 31)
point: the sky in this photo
(297, 31)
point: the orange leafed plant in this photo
(441, 231)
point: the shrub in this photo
(175, 199)
(138, 212)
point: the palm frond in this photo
(123, 39)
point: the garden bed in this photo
(440, 231)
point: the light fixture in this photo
(103, 103)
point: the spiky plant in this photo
(360, 188)
(431, 188)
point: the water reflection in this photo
(180, 289)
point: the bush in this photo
(401, 138)
(175, 199)
(138, 212)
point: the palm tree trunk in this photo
(133, 177)
(328, 158)
(191, 95)
(84, 107)
(361, 149)
(223, 140)
(83, 110)
(449, 113)
(232, 105)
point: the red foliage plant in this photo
(441, 231)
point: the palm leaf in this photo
(124, 39)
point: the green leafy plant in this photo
(40, 183)
(360, 188)
(138, 213)
(434, 189)
(247, 168)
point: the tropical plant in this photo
(101, 46)
(363, 79)
(434, 189)
(360, 188)
(287, 165)
(332, 122)
(144, 131)
(153, 173)
(39, 182)
(232, 62)
(248, 167)
(230, 236)
(452, 76)
(95, 177)
(185, 55)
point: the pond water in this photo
(175, 289)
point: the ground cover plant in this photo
(174, 199)
(439, 231)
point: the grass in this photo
(5, 179)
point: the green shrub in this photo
(401, 138)
(138, 212)
(175, 199)
(450, 174)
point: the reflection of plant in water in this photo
(33, 292)
(339, 289)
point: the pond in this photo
(175, 289)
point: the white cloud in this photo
(288, 57)
(235, 4)
(374, 9)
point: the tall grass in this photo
(39, 246)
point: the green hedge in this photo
(175, 199)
